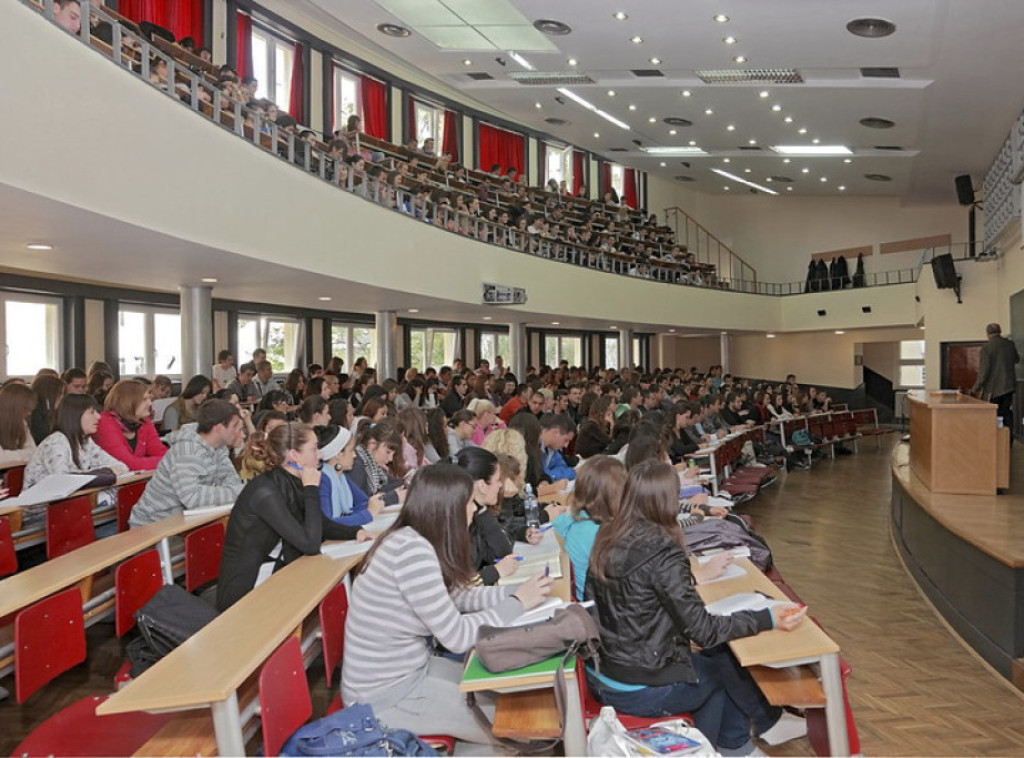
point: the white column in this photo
(387, 344)
(724, 354)
(196, 330)
(518, 346)
(625, 349)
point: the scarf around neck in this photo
(375, 475)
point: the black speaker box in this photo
(964, 190)
(944, 272)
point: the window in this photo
(558, 160)
(619, 181)
(563, 348)
(611, 352)
(432, 347)
(912, 364)
(429, 121)
(282, 338)
(350, 342)
(148, 341)
(636, 351)
(493, 344)
(32, 334)
(346, 97)
(272, 67)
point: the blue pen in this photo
(547, 570)
(515, 557)
(545, 527)
(294, 465)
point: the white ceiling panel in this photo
(416, 13)
(458, 38)
(521, 38)
(487, 12)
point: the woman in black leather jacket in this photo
(277, 516)
(650, 615)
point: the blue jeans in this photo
(724, 701)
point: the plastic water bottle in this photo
(531, 508)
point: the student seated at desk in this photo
(340, 499)
(277, 517)
(376, 446)
(17, 403)
(125, 429)
(414, 588)
(649, 615)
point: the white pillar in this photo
(387, 344)
(196, 331)
(518, 346)
(724, 352)
(625, 348)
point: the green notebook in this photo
(475, 671)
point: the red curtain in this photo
(297, 99)
(243, 45)
(374, 95)
(497, 146)
(629, 188)
(606, 178)
(450, 141)
(183, 18)
(577, 172)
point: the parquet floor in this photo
(915, 690)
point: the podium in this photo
(955, 445)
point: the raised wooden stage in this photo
(967, 553)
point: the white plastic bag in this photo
(608, 737)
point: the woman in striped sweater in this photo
(414, 589)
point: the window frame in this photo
(149, 313)
(339, 117)
(349, 357)
(437, 122)
(912, 363)
(565, 162)
(268, 89)
(57, 338)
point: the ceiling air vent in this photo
(890, 148)
(550, 78)
(873, 28)
(781, 179)
(480, 76)
(878, 177)
(549, 26)
(880, 72)
(676, 121)
(556, 121)
(646, 73)
(750, 75)
(685, 179)
(618, 150)
(750, 148)
(873, 122)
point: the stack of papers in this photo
(382, 522)
(736, 552)
(52, 487)
(544, 611)
(536, 559)
(743, 601)
(732, 571)
(345, 549)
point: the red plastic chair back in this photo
(135, 582)
(127, 497)
(203, 549)
(333, 610)
(69, 525)
(49, 638)
(285, 704)
(15, 480)
(8, 555)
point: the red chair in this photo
(333, 611)
(203, 548)
(127, 497)
(69, 525)
(8, 555)
(135, 582)
(592, 708)
(285, 704)
(49, 638)
(15, 480)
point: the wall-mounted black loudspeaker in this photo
(964, 190)
(944, 272)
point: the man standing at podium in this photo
(997, 375)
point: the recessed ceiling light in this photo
(324, 299)
(751, 141)
(573, 62)
(840, 331)
(726, 160)
(786, 160)
(686, 93)
(393, 30)
(776, 108)
(632, 107)
(770, 336)
(788, 119)
(672, 330)
(655, 61)
(597, 135)
(693, 142)
(740, 59)
(815, 141)
(620, 16)
(721, 18)
(611, 93)
(663, 164)
(708, 112)
(730, 128)
(769, 179)
(467, 62)
(847, 160)
(488, 318)
(652, 120)
(613, 327)
(554, 323)
(789, 189)
(842, 188)
(802, 130)
(730, 40)
(636, 40)
(537, 105)
(726, 188)
(414, 310)
(209, 280)
(746, 171)
(823, 179)
(763, 93)
(673, 132)
(39, 246)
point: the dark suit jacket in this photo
(996, 374)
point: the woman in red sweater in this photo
(126, 430)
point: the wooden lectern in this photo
(955, 445)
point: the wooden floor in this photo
(915, 690)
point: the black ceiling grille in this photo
(647, 73)
(891, 148)
(750, 148)
(480, 76)
(618, 150)
(685, 179)
(556, 121)
(750, 75)
(880, 72)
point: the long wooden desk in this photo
(806, 644)
(208, 670)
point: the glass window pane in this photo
(282, 344)
(505, 350)
(131, 338)
(487, 346)
(611, 352)
(167, 336)
(572, 350)
(259, 64)
(912, 350)
(912, 376)
(636, 351)
(346, 97)
(248, 338)
(551, 351)
(339, 345)
(364, 345)
(283, 54)
(417, 339)
(33, 336)
(443, 352)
